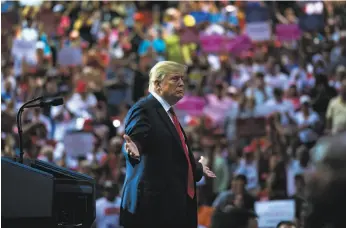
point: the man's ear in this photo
(157, 85)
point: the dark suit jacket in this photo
(155, 188)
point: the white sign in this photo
(68, 56)
(270, 213)
(24, 49)
(78, 143)
(259, 31)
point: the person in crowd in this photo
(7, 92)
(108, 207)
(308, 122)
(237, 194)
(82, 102)
(261, 92)
(248, 166)
(221, 171)
(280, 105)
(38, 117)
(293, 96)
(286, 224)
(234, 217)
(46, 154)
(321, 94)
(152, 42)
(275, 77)
(151, 127)
(336, 112)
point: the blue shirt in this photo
(158, 45)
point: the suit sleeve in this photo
(199, 171)
(137, 126)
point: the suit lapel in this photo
(164, 116)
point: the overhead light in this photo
(116, 123)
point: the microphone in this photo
(43, 103)
(46, 103)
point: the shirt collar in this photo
(164, 103)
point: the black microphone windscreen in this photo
(57, 101)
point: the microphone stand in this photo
(19, 126)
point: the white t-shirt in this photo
(272, 106)
(298, 77)
(307, 135)
(251, 173)
(107, 213)
(259, 95)
(10, 79)
(63, 125)
(278, 81)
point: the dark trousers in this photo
(189, 221)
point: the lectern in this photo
(41, 195)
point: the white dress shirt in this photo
(164, 104)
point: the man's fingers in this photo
(133, 155)
(127, 147)
(127, 138)
(210, 174)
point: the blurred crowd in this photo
(265, 81)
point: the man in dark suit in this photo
(326, 184)
(161, 173)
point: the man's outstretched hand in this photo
(206, 170)
(131, 147)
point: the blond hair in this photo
(162, 69)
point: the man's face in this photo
(238, 186)
(171, 88)
(259, 82)
(287, 226)
(83, 95)
(110, 194)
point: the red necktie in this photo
(190, 180)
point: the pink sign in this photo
(192, 105)
(212, 43)
(219, 43)
(287, 32)
(217, 109)
(239, 44)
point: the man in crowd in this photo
(286, 224)
(232, 217)
(161, 173)
(237, 191)
(108, 207)
(336, 118)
